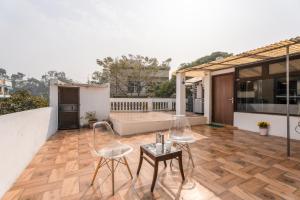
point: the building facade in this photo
(5, 88)
(250, 87)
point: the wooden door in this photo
(223, 96)
(68, 108)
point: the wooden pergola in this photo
(284, 48)
(264, 53)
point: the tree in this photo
(20, 101)
(166, 89)
(15, 78)
(3, 73)
(205, 59)
(36, 87)
(111, 72)
(61, 76)
(132, 71)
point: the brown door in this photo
(68, 108)
(223, 98)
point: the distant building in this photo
(133, 88)
(5, 88)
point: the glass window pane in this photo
(268, 96)
(250, 72)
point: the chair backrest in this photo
(103, 136)
(179, 127)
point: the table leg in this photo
(180, 167)
(154, 175)
(165, 162)
(141, 161)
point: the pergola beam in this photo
(260, 54)
(288, 101)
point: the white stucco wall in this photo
(21, 136)
(91, 99)
(94, 99)
(53, 99)
(248, 121)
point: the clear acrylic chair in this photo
(181, 134)
(110, 151)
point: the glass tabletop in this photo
(151, 148)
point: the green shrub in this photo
(263, 124)
(21, 101)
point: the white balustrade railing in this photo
(142, 104)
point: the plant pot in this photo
(91, 123)
(263, 131)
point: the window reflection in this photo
(268, 96)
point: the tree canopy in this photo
(20, 101)
(3, 73)
(206, 59)
(36, 87)
(132, 69)
(168, 88)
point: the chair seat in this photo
(183, 139)
(115, 150)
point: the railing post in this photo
(150, 108)
(169, 104)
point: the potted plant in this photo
(91, 118)
(263, 127)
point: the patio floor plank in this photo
(229, 164)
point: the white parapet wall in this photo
(248, 121)
(21, 136)
(142, 104)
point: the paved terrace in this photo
(230, 164)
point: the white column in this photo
(180, 94)
(207, 86)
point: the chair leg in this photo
(171, 163)
(190, 154)
(128, 168)
(113, 176)
(96, 171)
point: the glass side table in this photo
(153, 157)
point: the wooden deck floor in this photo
(230, 164)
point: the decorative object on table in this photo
(110, 151)
(149, 153)
(263, 127)
(159, 137)
(159, 148)
(181, 135)
(168, 145)
(91, 118)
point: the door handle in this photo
(231, 99)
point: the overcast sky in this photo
(69, 35)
